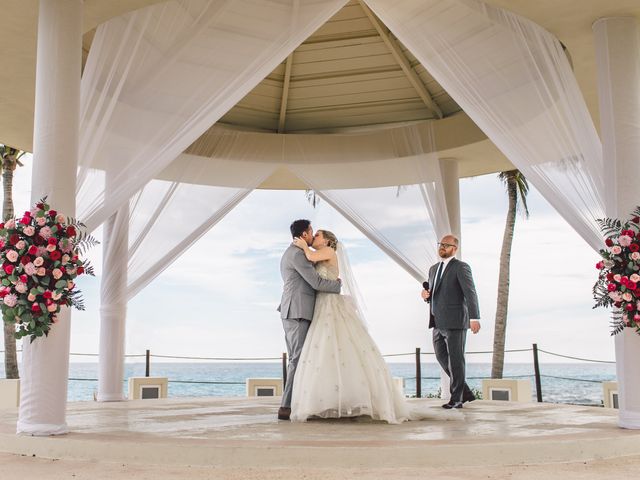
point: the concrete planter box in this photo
(506, 389)
(141, 388)
(9, 393)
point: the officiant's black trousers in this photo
(448, 345)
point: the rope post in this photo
(418, 374)
(147, 363)
(536, 368)
(284, 369)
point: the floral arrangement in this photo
(618, 284)
(40, 259)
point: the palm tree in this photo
(517, 190)
(10, 160)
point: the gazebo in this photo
(133, 108)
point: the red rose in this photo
(617, 304)
(55, 255)
(634, 247)
(38, 240)
(71, 231)
(608, 242)
(32, 250)
(24, 260)
(80, 270)
(632, 285)
(52, 213)
(14, 238)
(40, 206)
(27, 214)
(52, 241)
(62, 269)
(8, 269)
(1, 225)
(4, 292)
(23, 278)
(47, 294)
(600, 265)
(629, 307)
(611, 287)
(35, 308)
(635, 219)
(609, 276)
(624, 281)
(25, 220)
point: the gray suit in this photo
(301, 281)
(453, 302)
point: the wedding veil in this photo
(349, 286)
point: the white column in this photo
(45, 362)
(451, 187)
(113, 306)
(618, 61)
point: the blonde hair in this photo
(332, 240)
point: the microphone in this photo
(425, 285)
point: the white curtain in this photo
(513, 79)
(157, 78)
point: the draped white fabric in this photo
(157, 78)
(514, 80)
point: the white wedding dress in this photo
(341, 372)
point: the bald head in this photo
(448, 246)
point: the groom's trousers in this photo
(448, 345)
(295, 333)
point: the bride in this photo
(341, 372)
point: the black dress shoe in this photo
(468, 397)
(284, 413)
(449, 406)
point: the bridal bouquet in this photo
(40, 258)
(618, 284)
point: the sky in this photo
(219, 299)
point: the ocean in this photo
(578, 383)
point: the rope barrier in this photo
(576, 358)
(573, 379)
(215, 358)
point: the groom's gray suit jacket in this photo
(301, 281)
(454, 300)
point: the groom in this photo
(454, 309)
(301, 281)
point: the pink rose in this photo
(31, 298)
(635, 256)
(617, 277)
(628, 307)
(45, 232)
(624, 240)
(20, 287)
(41, 221)
(30, 269)
(611, 287)
(52, 308)
(60, 218)
(38, 262)
(51, 248)
(10, 300)
(70, 285)
(57, 273)
(600, 265)
(635, 278)
(29, 231)
(41, 272)
(12, 256)
(626, 296)
(616, 250)
(615, 296)
(10, 224)
(21, 244)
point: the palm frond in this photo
(312, 197)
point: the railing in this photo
(417, 355)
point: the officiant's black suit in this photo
(453, 302)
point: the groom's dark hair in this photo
(299, 227)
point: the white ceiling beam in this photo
(285, 93)
(402, 60)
